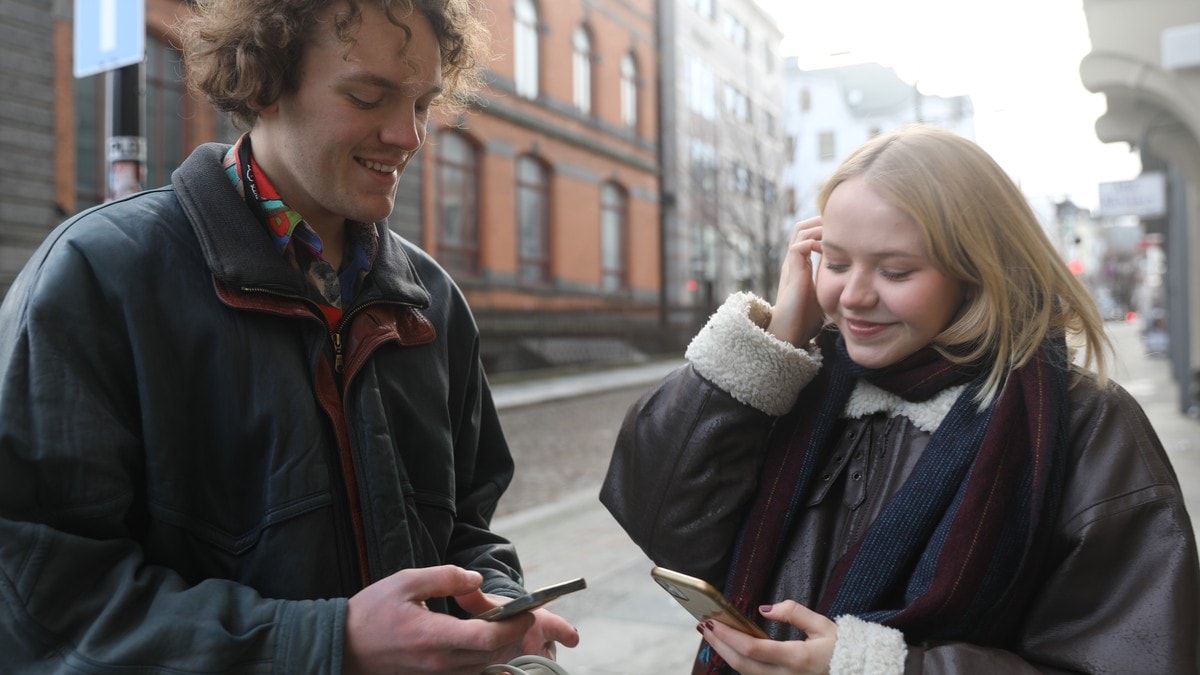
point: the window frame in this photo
(582, 55)
(526, 49)
(629, 90)
(614, 237)
(460, 257)
(533, 267)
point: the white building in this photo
(830, 112)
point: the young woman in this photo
(900, 466)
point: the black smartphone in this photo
(703, 601)
(532, 600)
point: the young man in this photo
(234, 402)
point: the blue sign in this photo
(109, 34)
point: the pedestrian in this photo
(900, 466)
(245, 426)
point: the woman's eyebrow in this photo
(883, 253)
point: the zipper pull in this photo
(338, 363)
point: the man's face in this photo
(336, 146)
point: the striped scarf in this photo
(954, 549)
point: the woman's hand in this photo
(797, 317)
(753, 656)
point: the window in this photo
(703, 7)
(769, 58)
(525, 40)
(581, 70)
(533, 206)
(826, 149)
(629, 93)
(164, 112)
(90, 180)
(769, 123)
(736, 31)
(702, 160)
(739, 179)
(458, 204)
(613, 220)
(736, 103)
(702, 88)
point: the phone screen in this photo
(531, 601)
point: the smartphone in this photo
(704, 601)
(531, 601)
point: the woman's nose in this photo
(859, 290)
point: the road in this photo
(627, 624)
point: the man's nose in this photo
(404, 130)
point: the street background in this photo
(562, 429)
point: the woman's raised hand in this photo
(796, 316)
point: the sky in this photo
(1018, 60)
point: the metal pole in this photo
(126, 141)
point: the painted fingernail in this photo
(763, 609)
(708, 625)
(700, 629)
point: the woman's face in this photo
(876, 280)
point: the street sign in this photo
(109, 34)
(1144, 196)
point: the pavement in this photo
(627, 624)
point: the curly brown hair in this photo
(243, 54)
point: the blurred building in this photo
(543, 202)
(831, 111)
(722, 155)
(1145, 59)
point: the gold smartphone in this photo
(704, 601)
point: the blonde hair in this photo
(243, 54)
(980, 230)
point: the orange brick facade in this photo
(581, 151)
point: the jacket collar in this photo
(239, 251)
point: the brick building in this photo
(543, 202)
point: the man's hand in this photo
(390, 630)
(548, 628)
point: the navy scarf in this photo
(957, 547)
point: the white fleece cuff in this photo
(865, 648)
(736, 353)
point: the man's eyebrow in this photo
(382, 82)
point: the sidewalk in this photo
(627, 624)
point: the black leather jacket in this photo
(195, 472)
(1120, 592)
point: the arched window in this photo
(458, 204)
(629, 91)
(614, 221)
(582, 70)
(525, 39)
(533, 217)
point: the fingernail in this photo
(708, 625)
(764, 609)
(700, 629)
